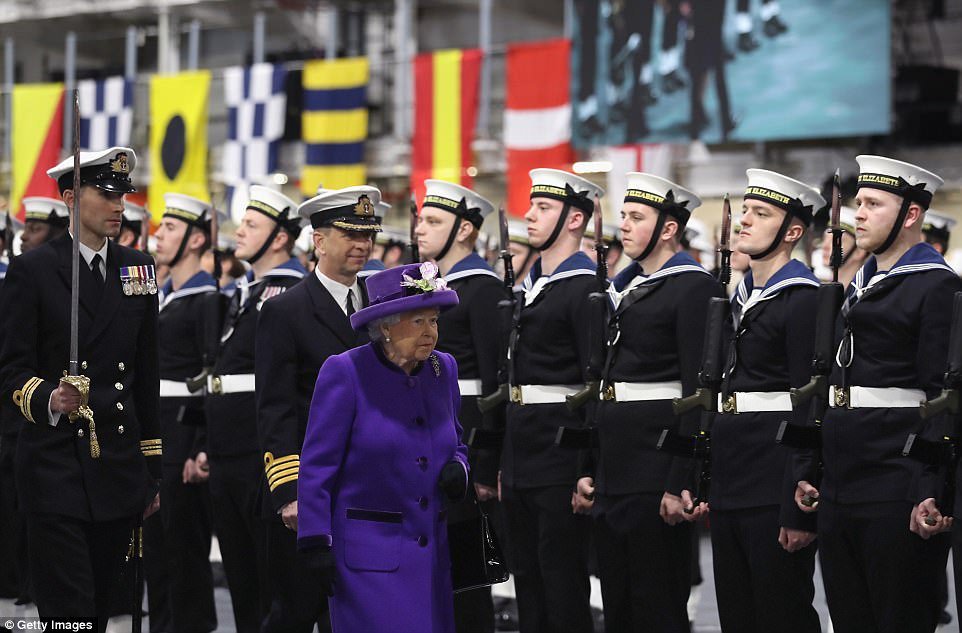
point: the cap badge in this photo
(119, 164)
(364, 207)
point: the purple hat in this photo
(404, 288)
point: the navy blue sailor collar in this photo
(920, 258)
(794, 273)
(473, 264)
(679, 263)
(576, 265)
(3, 270)
(200, 282)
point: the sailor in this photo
(44, 219)
(447, 232)
(548, 358)
(523, 255)
(654, 324)
(296, 333)
(83, 482)
(762, 544)
(265, 239)
(132, 225)
(881, 561)
(853, 257)
(937, 229)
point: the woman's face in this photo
(415, 335)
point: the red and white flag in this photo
(537, 115)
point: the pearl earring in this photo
(387, 339)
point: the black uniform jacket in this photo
(296, 333)
(655, 335)
(181, 330)
(10, 417)
(898, 332)
(470, 332)
(551, 348)
(117, 351)
(232, 417)
(771, 350)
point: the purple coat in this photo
(376, 442)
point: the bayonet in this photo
(836, 227)
(415, 254)
(724, 244)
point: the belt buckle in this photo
(608, 393)
(842, 397)
(730, 405)
(216, 385)
(516, 395)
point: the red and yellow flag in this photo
(446, 107)
(37, 141)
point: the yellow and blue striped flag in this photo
(334, 124)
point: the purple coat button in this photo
(423, 502)
(423, 541)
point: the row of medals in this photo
(138, 287)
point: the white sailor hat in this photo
(15, 224)
(518, 232)
(560, 185)
(936, 224)
(610, 233)
(349, 209)
(846, 219)
(903, 179)
(661, 194)
(49, 210)
(276, 206)
(305, 240)
(458, 200)
(391, 236)
(134, 212)
(382, 208)
(107, 169)
(189, 209)
(792, 196)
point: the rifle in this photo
(599, 304)
(705, 397)
(724, 244)
(213, 308)
(8, 236)
(815, 392)
(415, 254)
(488, 438)
(944, 453)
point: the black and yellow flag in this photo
(178, 137)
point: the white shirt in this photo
(339, 291)
(87, 254)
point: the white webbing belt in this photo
(542, 394)
(470, 387)
(231, 383)
(755, 402)
(177, 389)
(640, 391)
(875, 397)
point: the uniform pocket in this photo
(372, 540)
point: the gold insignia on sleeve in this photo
(22, 397)
(281, 470)
(150, 448)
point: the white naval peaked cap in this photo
(564, 186)
(460, 201)
(107, 169)
(349, 209)
(661, 194)
(792, 196)
(391, 235)
(898, 177)
(382, 208)
(44, 209)
(191, 210)
(936, 222)
(134, 212)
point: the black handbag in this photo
(476, 557)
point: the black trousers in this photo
(879, 576)
(549, 546)
(297, 602)
(234, 485)
(156, 574)
(76, 565)
(186, 517)
(11, 546)
(759, 586)
(644, 565)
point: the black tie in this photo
(95, 270)
(350, 303)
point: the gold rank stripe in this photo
(151, 448)
(287, 469)
(152, 453)
(148, 443)
(283, 480)
(23, 397)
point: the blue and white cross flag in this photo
(106, 112)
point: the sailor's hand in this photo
(485, 493)
(64, 399)
(187, 472)
(690, 511)
(806, 496)
(926, 520)
(153, 507)
(201, 468)
(793, 540)
(584, 496)
(289, 515)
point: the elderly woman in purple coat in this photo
(381, 459)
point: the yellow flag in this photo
(178, 137)
(37, 141)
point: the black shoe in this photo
(747, 43)
(774, 26)
(672, 82)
